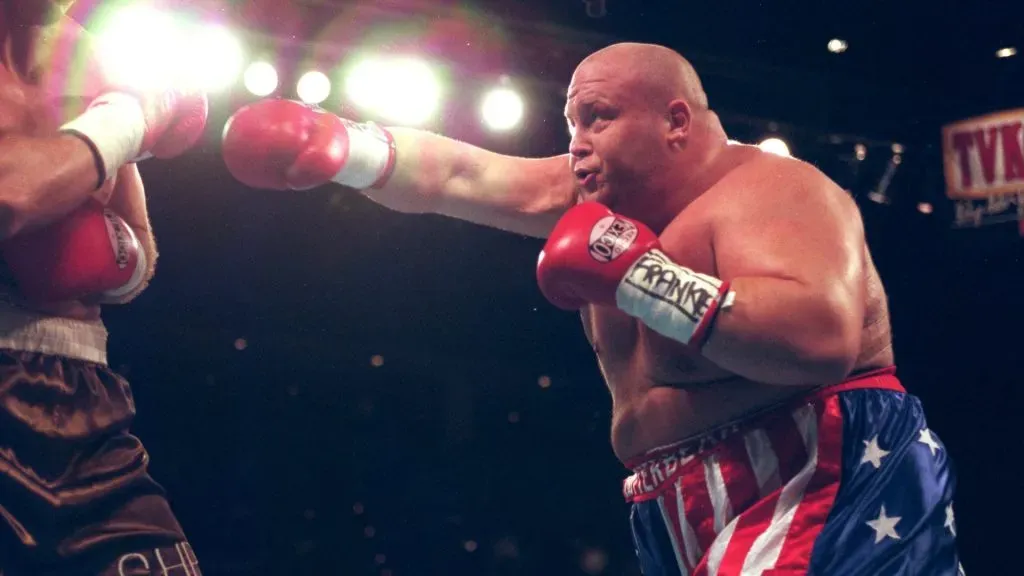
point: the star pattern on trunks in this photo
(925, 437)
(884, 526)
(950, 520)
(893, 468)
(873, 453)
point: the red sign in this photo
(984, 156)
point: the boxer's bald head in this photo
(654, 72)
(639, 119)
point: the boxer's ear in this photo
(679, 118)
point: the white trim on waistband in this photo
(26, 331)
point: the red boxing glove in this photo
(286, 145)
(595, 256)
(127, 126)
(92, 252)
(587, 255)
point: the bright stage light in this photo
(260, 78)
(148, 49)
(403, 91)
(313, 87)
(215, 57)
(837, 45)
(140, 47)
(502, 109)
(775, 146)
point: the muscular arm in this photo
(444, 176)
(792, 247)
(42, 179)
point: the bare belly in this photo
(661, 396)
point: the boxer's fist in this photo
(175, 120)
(286, 145)
(587, 255)
(90, 253)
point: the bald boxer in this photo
(729, 296)
(75, 494)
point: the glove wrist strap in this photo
(672, 300)
(114, 126)
(371, 156)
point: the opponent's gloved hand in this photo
(90, 253)
(587, 255)
(594, 256)
(286, 145)
(125, 126)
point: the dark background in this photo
(286, 451)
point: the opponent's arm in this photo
(445, 176)
(793, 253)
(42, 180)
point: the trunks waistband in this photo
(30, 332)
(660, 465)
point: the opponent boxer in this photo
(75, 494)
(730, 299)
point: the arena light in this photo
(502, 109)
(120, 38)
(837, 45)
(774, 146)
(1006, 52)
(403, 91)
(260, 78)
(924, 207)
(313, 87)
(215, 58)
(176, 53)
(880, 194)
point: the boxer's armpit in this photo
(444, 176)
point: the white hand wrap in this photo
(672, 300)
(115, 125)
(371, 156)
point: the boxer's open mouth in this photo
(586, 180)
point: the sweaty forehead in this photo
(596, 83)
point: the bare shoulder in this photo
(771, 185)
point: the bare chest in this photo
(24, 107)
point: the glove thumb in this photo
(323, 156)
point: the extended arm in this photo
(444, 176)
(405, 169)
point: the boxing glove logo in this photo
(610, 237)
(119, 238)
